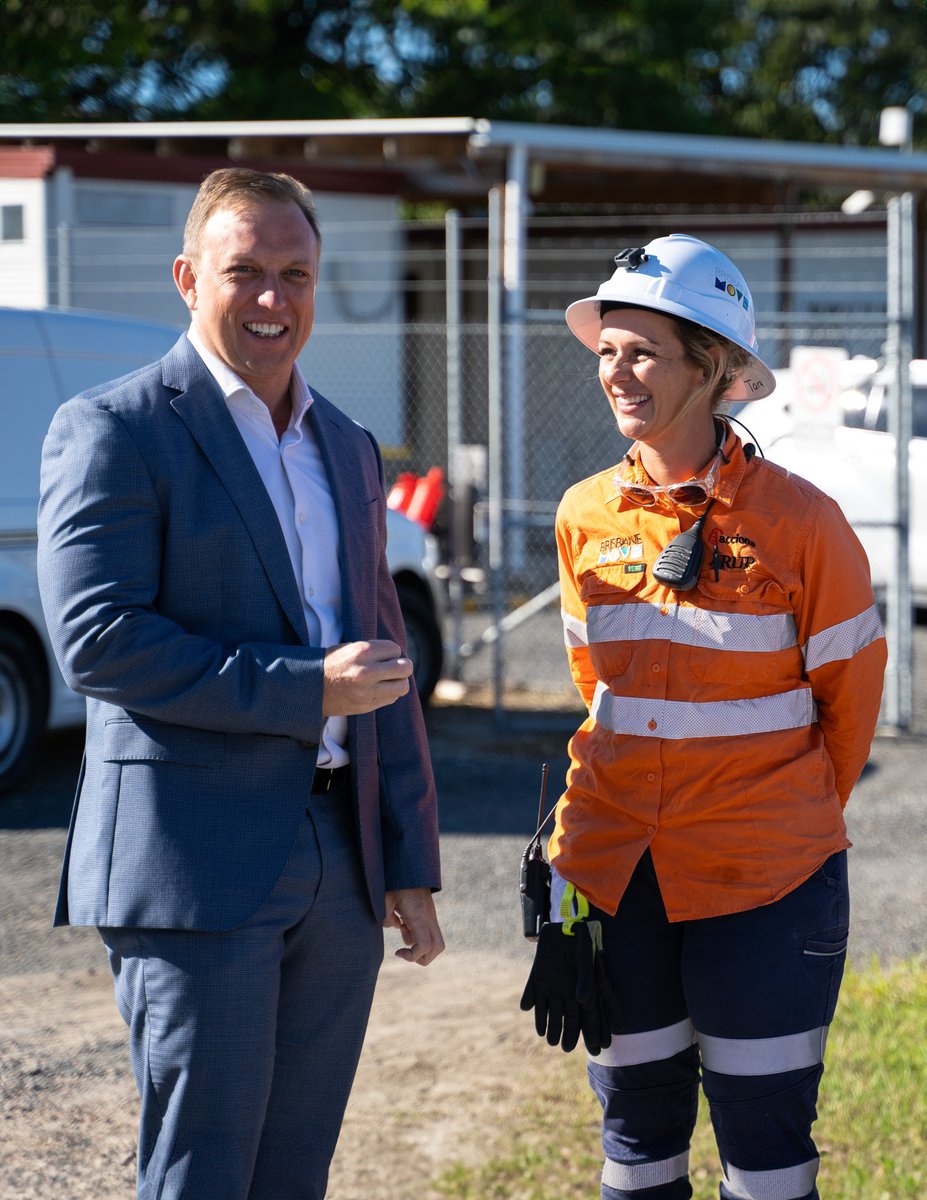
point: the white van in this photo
(46, 356)
(853, 458)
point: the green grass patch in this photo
(871, 1132)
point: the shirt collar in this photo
(233, 387)
(733, 465)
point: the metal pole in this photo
(899, 351)
(453, 309)
(496, 533)
(513, 275)
(63, 251)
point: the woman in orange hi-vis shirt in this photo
(721, 629)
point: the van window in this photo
(918, 412)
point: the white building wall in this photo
(23, 270)
(122, 240)
(355, 354)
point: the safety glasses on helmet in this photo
(689, 493)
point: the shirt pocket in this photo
(609, 593)
(745, 629)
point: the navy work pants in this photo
(746, 997)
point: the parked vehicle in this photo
(45, 357)
(852, 458)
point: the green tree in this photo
(762, 68)
(68, 60)
(806, 70)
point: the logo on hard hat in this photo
(732, 290)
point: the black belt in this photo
(329, 779)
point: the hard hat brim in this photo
(754, 382)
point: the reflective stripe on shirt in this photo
(841, 642)
(676, 719)
(685, 626)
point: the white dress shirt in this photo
(293, 473)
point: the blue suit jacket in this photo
(172, 606)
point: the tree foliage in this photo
(798, 69)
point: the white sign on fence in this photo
(816, 378)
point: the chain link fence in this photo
(404, 341)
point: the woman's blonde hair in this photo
(720, 369)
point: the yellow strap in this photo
(571, 897)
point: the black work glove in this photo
(567, 987)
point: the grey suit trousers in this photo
(245, 1042)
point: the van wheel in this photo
(23, 705)
(424, 640)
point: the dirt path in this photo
(443, 1067)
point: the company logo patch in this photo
(731, 290)
(736, 545)
(613, 550)
(717, 538)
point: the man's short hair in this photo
(230, 187)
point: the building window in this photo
(11, 223)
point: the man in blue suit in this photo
(256, 797)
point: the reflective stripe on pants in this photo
(748, 997)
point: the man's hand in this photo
(412, 912)
(363, 676)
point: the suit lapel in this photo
(201, 406)
(357, 563)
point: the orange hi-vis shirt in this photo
(727, 724)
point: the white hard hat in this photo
(683, 277)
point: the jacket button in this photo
(651, 724)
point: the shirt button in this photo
(651, 777)
(655, 668)
(651, 829)
(312, 591)
(301, 518)
(651, 724)
(664, 611)
(743, 589)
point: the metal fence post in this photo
(63, 258)
(496, 531)
(453, 308)
(513, 277)
(899, 351)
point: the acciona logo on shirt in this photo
(717, 538)
(728, 542)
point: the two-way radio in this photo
(679, 563)
(535, 873)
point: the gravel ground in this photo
(448, 1053)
